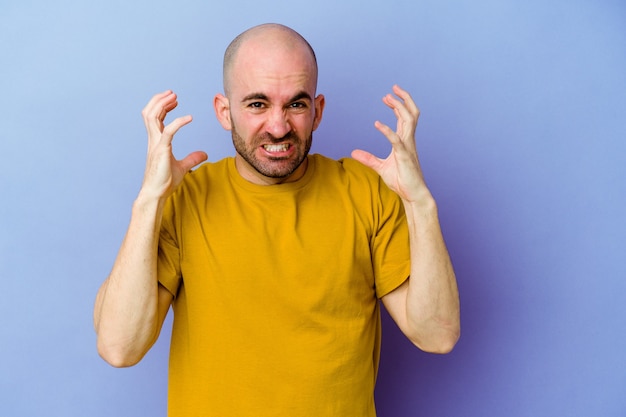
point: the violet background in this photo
(522, 139)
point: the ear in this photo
(320, 101)
(222, 111)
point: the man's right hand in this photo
(163, 171)
(131, 305)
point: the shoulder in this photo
(350, 172)
(208, 171)
(347, 176)
(208, 178)
(347, 168)
(205, 174)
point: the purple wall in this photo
(522, 138)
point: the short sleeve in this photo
(168, 261)
(390, 251)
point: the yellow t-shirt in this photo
(276, 289)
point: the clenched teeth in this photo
(276, 148)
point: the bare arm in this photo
(131, 305)
(426, 306)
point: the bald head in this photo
(272, 39)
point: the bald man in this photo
(274, 260)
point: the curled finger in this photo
(401, 108)
(387, 131)
(155, 111)
(408, 100)
(172, 128)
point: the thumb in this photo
(193, 159)
(367, 159)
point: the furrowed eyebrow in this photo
(301, 95)
(260, 96)
(255, 96)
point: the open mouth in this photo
(275, 148)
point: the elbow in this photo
(441, 341)
(441, 346)
(117, 356)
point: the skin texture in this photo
(271, 108)
(271, 101)
(426, 307)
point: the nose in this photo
(278, 124)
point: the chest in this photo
(316, 243)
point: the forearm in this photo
(432, 303)
(126, 311)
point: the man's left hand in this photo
(401, 170)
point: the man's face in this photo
(273, 113)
